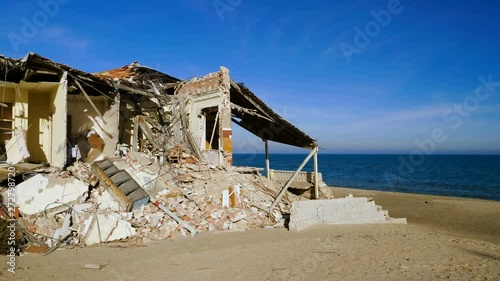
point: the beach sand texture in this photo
(446, 239)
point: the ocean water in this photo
(472, 176)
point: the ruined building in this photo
(133, 153)
(59, 109)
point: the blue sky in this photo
(390, 93)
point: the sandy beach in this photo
(445, 239)
(467, 218)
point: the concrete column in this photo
(267, 159)
(226, 132)
(316, 175)
(59, 124)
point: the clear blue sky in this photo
(385, 95)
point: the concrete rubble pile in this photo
(72, 207)
(134, 154)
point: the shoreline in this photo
(416, 193)
(467, 217)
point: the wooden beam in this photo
(88, 98)
(133, 90)
(135, 136)
(289, 182)
(147, 131)
(216, 125)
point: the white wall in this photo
(58, 106)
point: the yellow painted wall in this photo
(82, 113)
(21, 110)
(39, 132)
(58, 108)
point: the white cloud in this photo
(63, 37)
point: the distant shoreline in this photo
(418, 193)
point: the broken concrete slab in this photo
(105, 200)
(16, 147)
(39, 193)
(106, 228)
(64, 230)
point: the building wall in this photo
(84, 119)
(226, 131)
(206, 92)
(7, 113)
(39, 109)
(126, 124)
(21, 109)
(198, 122)
(83, 114)
(58, 107)
(40, 130)
(107, 127)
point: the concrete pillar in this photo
(59, 134)
(316, 176)
(226, 132)
(267, 159)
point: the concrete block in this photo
(106, 228)
(35, 194)
(335, 211)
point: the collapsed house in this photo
(58, 106)
(133, 152)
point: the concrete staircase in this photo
(349, 210)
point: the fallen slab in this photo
(105, 228)
(39, 193)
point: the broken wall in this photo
(83, 119)
(58, 107)
(39, 132)
(36, 108)
(39, 111)
(13, 94)
(126, 126)
(82, 115)
(10, 114)
(204, 93)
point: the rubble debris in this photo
(36, 249)
(79, 208)
(95, 140)
(174, 217)
(92, 266)
(151, 158)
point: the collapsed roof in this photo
(248, 110)
(256, 117)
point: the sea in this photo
(470, 176)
